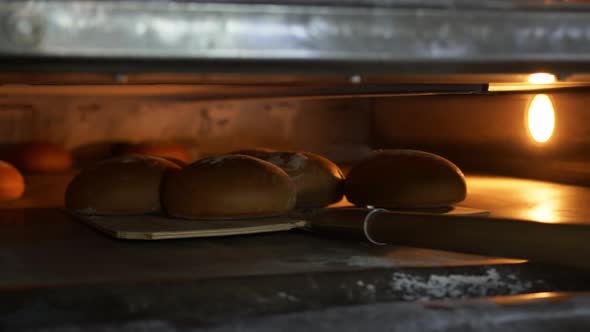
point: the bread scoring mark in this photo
(288, 162)
(123, 160)
(218, 159)
(409, 152)
(127, 160)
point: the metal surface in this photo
(44, 247)
(540, 312)
(354, 37)
(191, 304)
(199, 92)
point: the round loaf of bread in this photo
(120, 186)
(12, 184)
(40, 157)
(318, 180)
(228, 187)
(254, 152)
(168, 150)
(405, 179)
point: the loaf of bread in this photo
(40, 157)
(228, 187)
(254, 152)
(120, 186)
(169, 150)
(405, 179)
(317, 179)
(12, 184)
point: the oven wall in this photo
(339, 129)
(489, 133)
(480, 120)
(481, 133)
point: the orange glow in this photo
(542, 213)
(531, 200)
(530, 298)
(545, 205)
(541, 118)
(542, 78)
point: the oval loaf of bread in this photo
(228, 187)
(317, 179)
(405, 179)
(119, 186)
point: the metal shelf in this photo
(293, 41)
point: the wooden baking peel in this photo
(462, 230)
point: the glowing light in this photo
(542, 213)
(541, 118)
(542, 78)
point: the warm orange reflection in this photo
(544, 207)
(528, 298)
(528, 199)
(342, 203)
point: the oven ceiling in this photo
(295, 42)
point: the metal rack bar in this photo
(371, 36)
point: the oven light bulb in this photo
(541, 118)
(542, 78)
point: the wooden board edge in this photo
(97, 226)
(468, 211)
(190, 234)
(225, 232)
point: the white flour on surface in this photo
(369, 261)
(293, 162)
(288, 297)
(414, 287)
(368, 290)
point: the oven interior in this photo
(500, 88)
